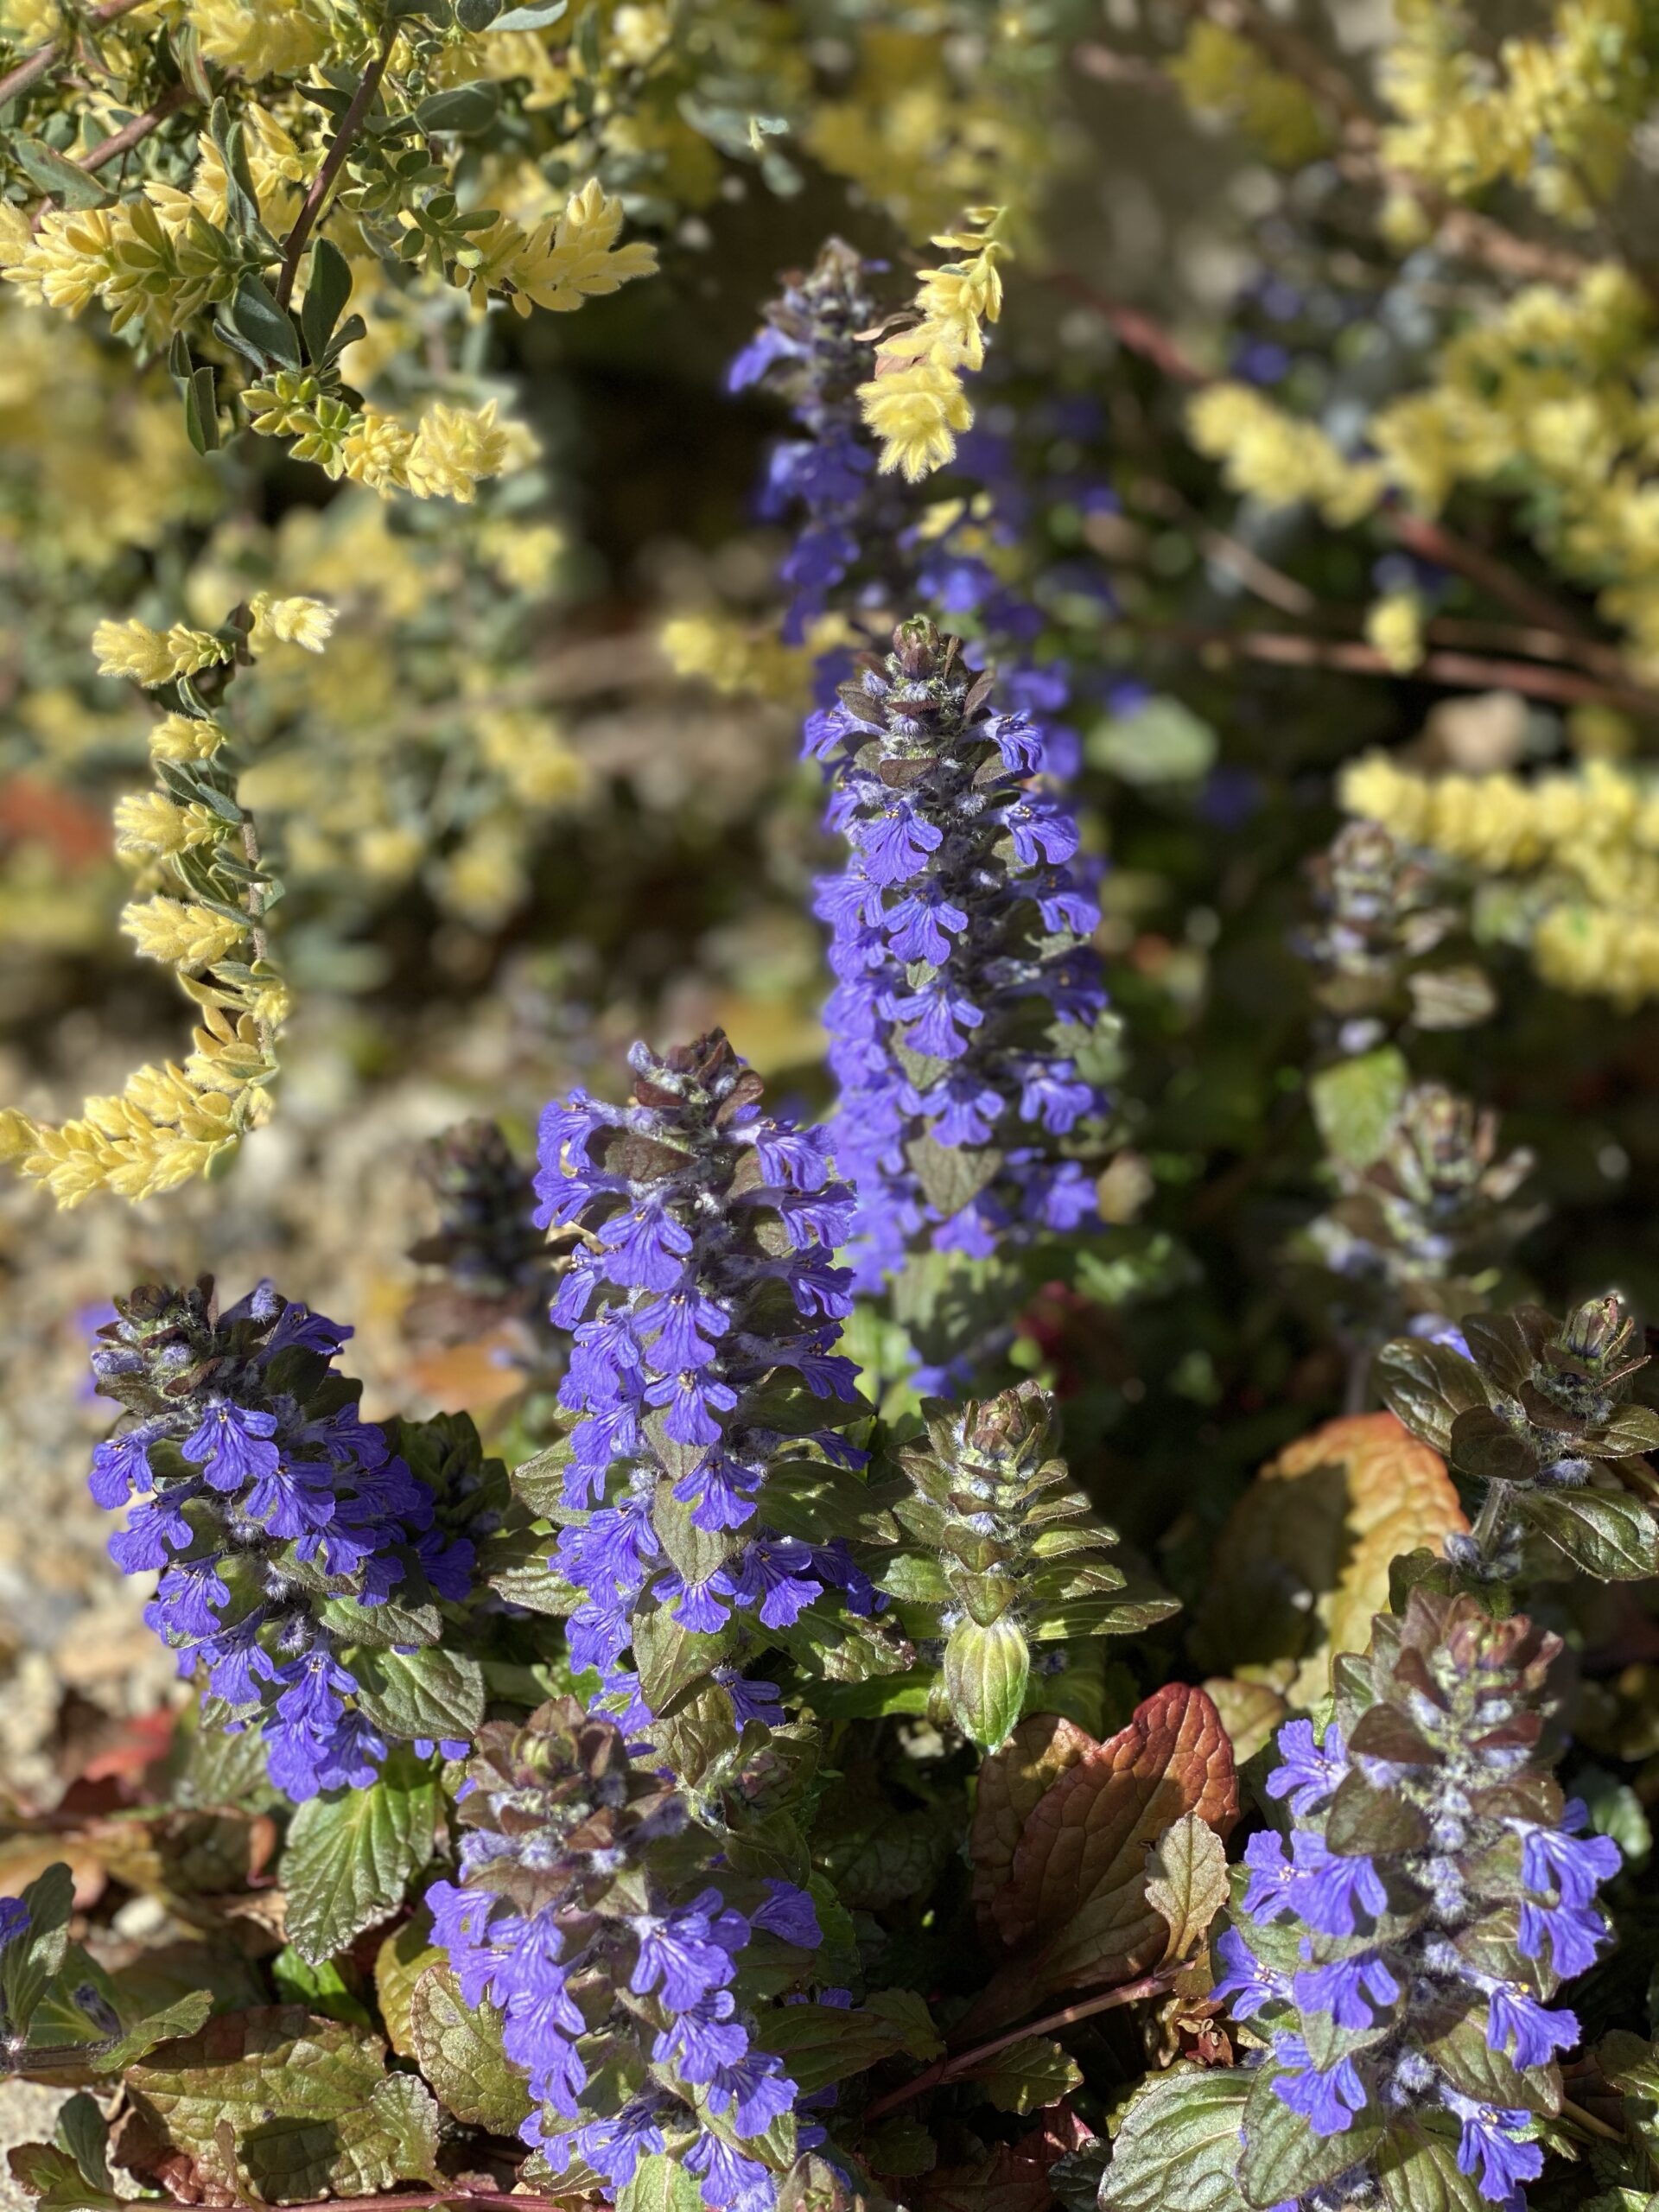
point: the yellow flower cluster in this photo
(172, 1122)
(1222, 73)
(446, 457)
(1554, 113)
(1582, 848)
(733, 660)
(915, 403)
(568, 257)
(938, 116)
(416, 750)
(153, 265)
(1273, 457)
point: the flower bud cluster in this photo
(706, 1310)
(493, 1257)
(1399, 1949)
(279, 1520)
(586, 1910)
(1381, 918)
(862, 549)
(1536, 1414)
(965, 986)
(1413, 1228)
(1021, 1551)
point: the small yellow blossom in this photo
(133, 649)
(915, 403)
(566, 259)
(304, 622)
(1394, 623)
(1278, 459)
(455, 449)
(149, 822)
(184, 934)
(185, 737)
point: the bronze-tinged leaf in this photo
(1075, 1899)
(1012, 1781)
(1303, 1564)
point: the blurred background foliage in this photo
(1326, 434)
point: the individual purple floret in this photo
(279, 1520)
(586, 1913)
(705, 1307)
(965, 987)
(1400, 1957)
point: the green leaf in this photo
(276, 2105)
(427, 1692)
(660, 2183)
(1177, 2150)
(986, 1670)
(327, 290)
(1607, 1534)
(1282, 2155)
(84, 2133)
(905, 2011)
(321, 1988)
(66, 181)
(349, 1858)
(1426, 1386)
(458, 2048)
(1355, 1102)
(169, 2026)
(465, 108)
(820, 2044)
(1417, 2171)
(394, 1622)
(30, 1963)
(54, 2180)
(1027, 2075)
(671, 1658)
(270, 330)
(952, 1175)
(1162, 741)
(535, 15)
(1187, 1881)
(398, 1965)
(201, 413)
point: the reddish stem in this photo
(944, 2070)
(34, 67)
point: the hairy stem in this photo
(1489, 1528)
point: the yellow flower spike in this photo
(185, 737)
(149, 823)
(133, 649)
(180, 932)
(915, 403)
(916, 412)
(304, 622)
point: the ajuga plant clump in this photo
(1012, 1565)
